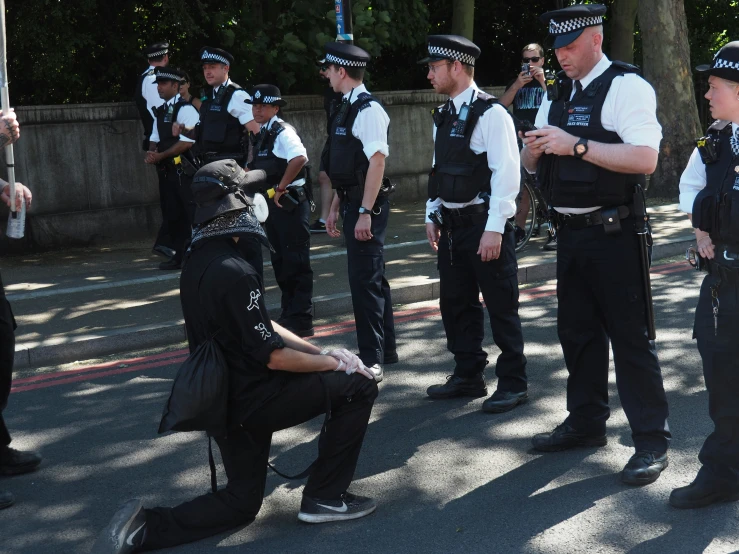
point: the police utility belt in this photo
(355, 195)
(610, 218)
(724, 266)
(468, 216)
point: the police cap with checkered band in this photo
(208, 54)
(451, 47)
(266, 94)
(725, 63)
(345, 55)
(567, 24)
(156, 50)
(168, 74)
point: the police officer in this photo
(276, 381)
(709, 193)
(225, 121)
(166, 151)
(146, 97)
(594, 143)
(279, 151)
(356, 165)
(473, 186)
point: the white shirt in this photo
(370, 126)
(693, 179)
(288, 145)
(237, 106)
(494, 134)
(630, 110)
(187, 116)
(150, 93)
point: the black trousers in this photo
(178, 208)
(373, 306)
(599, 288)
(719, 350)
(463, 276)
(7, 355)
(245, 452)
(289, 235)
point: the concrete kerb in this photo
(68, 349)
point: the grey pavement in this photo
(448, 478)
(81, 303)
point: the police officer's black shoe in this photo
(6, 499)
(644, 467)
(170, 264)
(701, 493)
(551, 244)
(504, 401)
(15, 462)
(459, 386)
(125, 532)
(303, 331)
(160, 250)
(390, 357)
(317, 226)
(564, 437)
(349, 506)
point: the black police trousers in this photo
(373, 306)
(463, 276)
(178, 208)
(289, 235)
(601, 298)
(719, 350)
(245, 453)
(7, 355)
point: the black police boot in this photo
(125, 532)
(564, 437)
(459, 386)
(703, 492)
(6, 499)
(644, 467)
(504, 401)
(15, 462)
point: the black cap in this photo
(345, 55)
(209, 54)
(725, 63)
(168, 74)
(157, 49)
(266, 94)
(451, 47)
(567, 24)
(223, 186)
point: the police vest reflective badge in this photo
(579, 116)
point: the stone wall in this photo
(85, 166)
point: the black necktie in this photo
(452, 109)
(578, 88)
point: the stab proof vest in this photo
(716, 207)
(265, 158)
(220, 131)
(166, 114)
(571, 181)
(459, 174)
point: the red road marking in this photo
(178, 356)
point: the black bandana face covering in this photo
(230, 224)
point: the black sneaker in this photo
(125, 532)
(317, 226)
(349, 506)
(160, 250)
(6, 499)
(15, 462)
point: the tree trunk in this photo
(463, 18)
(623, 17)
(667, 67)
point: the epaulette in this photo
(719, 125)
(277, 127)
(487, 98)
(148, 72)
(364, 100)
(627, 67)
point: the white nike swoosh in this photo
(129, 540)
(343, 508)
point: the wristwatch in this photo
(581, 148)
(363, 210)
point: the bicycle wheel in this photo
(525, 218)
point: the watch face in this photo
(580, 149)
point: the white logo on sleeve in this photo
(262, 329)
(255, 296)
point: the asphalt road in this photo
(447, 477)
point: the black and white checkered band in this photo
(719, 63)
(330, 58)
(214, 57)
(266, 99)
(165, 75)
(574, 24)
(157, 54)
(451, 54)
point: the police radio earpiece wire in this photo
(5, 103)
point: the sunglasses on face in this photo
(535, 59)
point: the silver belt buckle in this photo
(726, 256)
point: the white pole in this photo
(5, 102)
